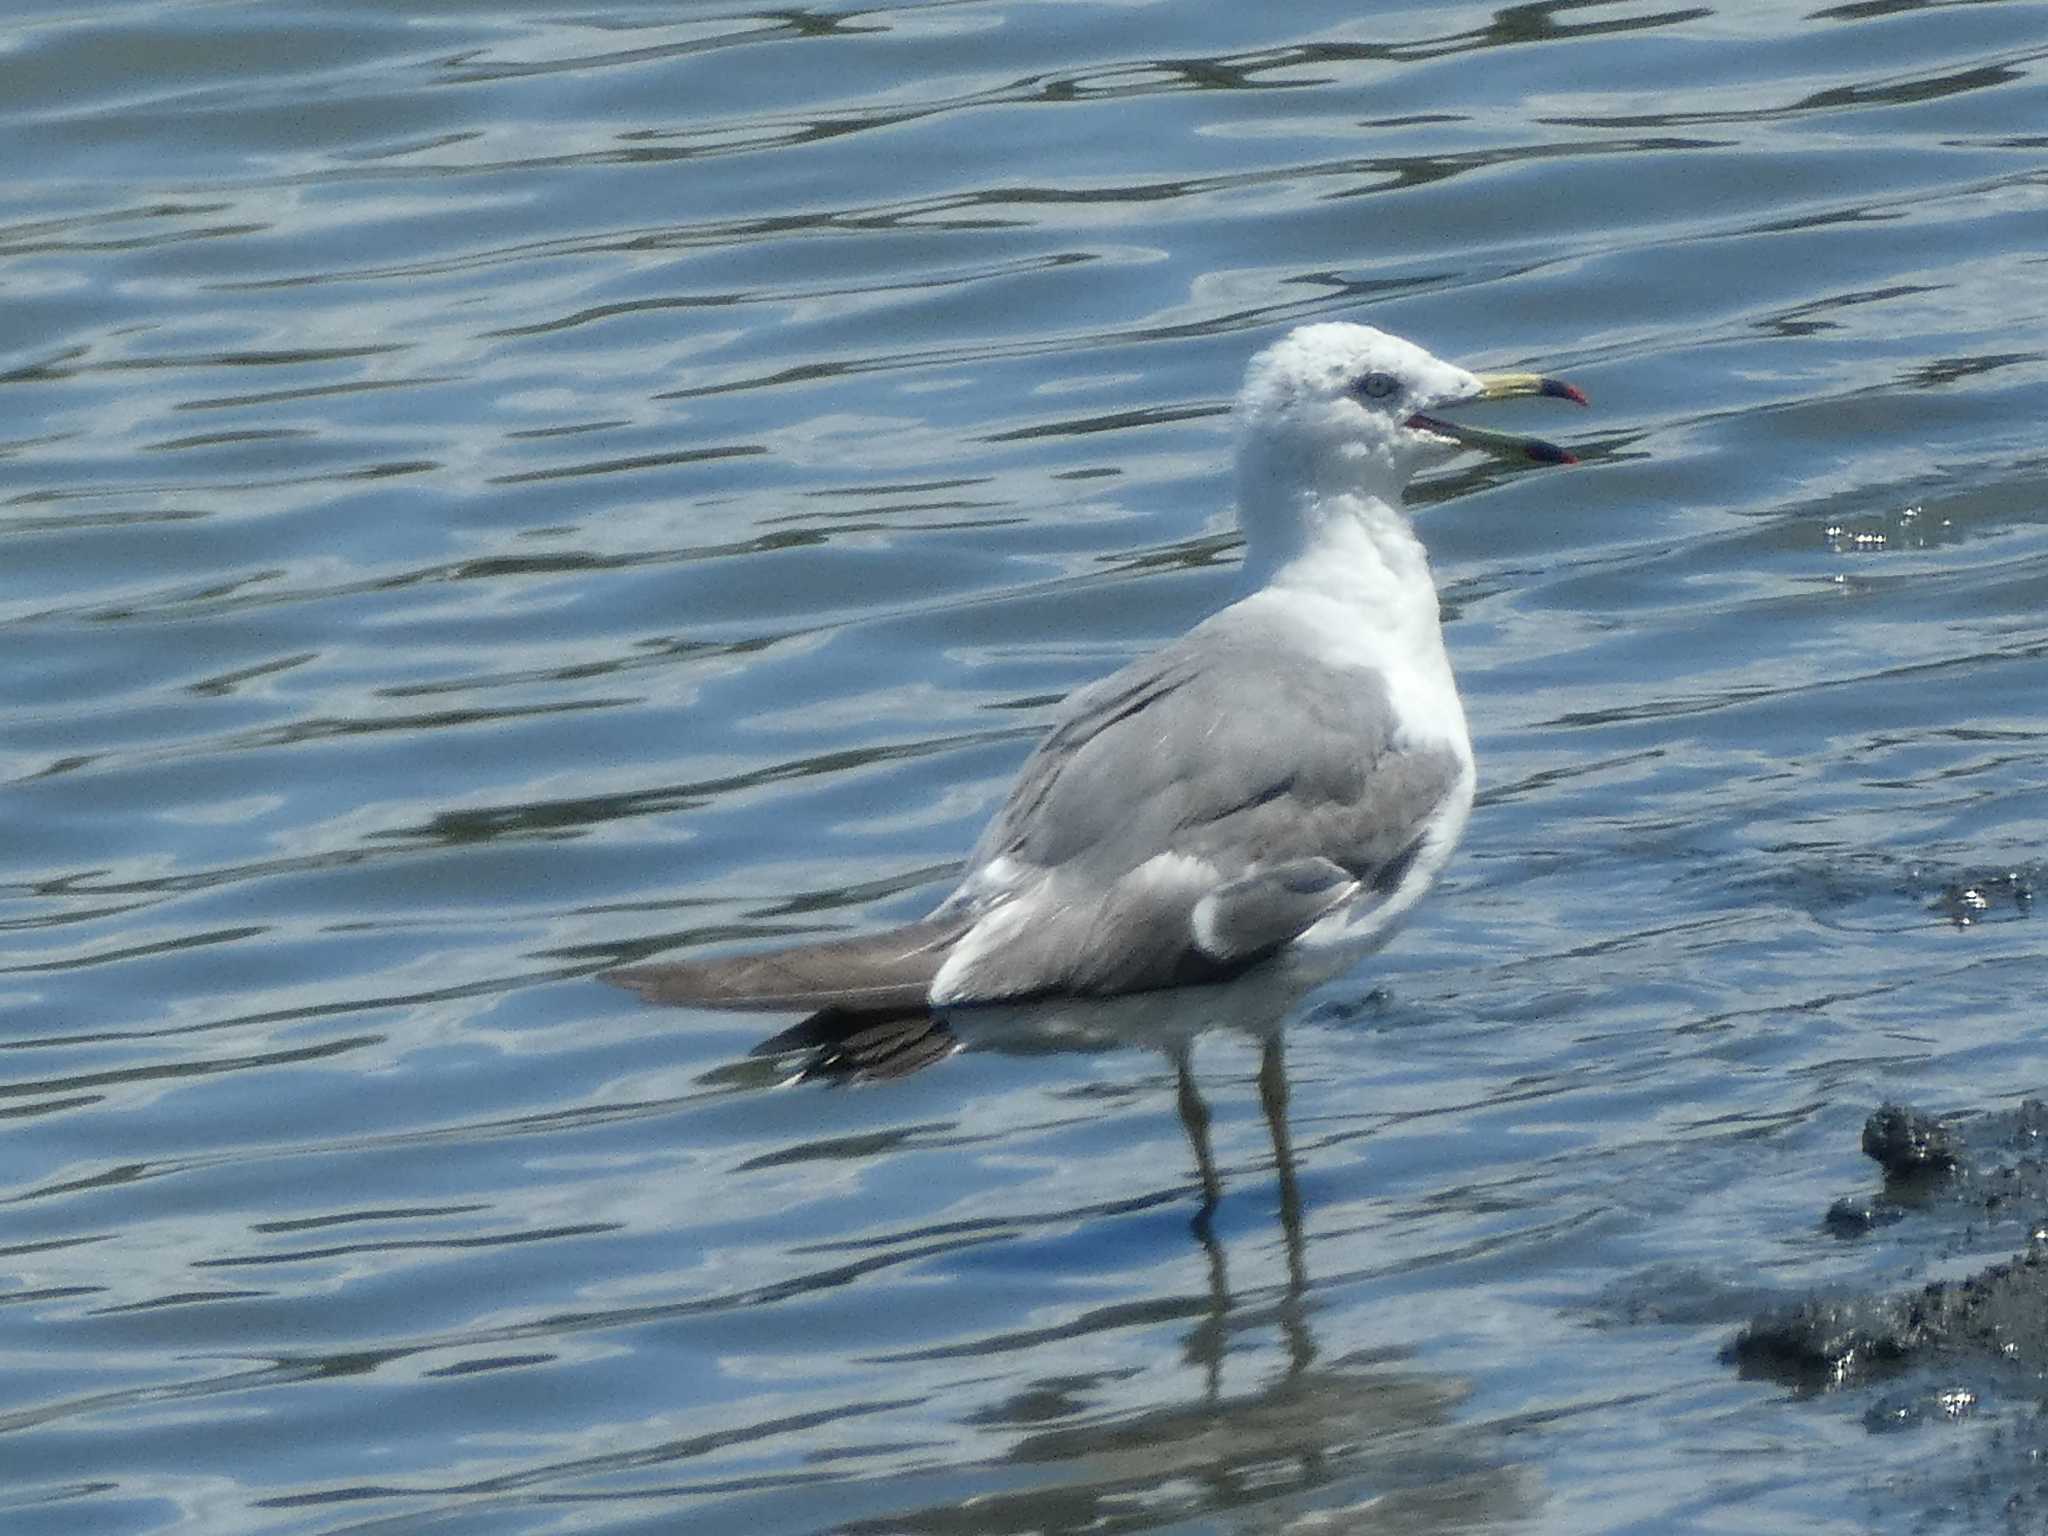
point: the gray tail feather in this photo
(874, 973)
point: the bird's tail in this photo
(875, 973)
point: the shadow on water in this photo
(1355, 1436)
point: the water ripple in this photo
(493, 495)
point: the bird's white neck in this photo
(1348, 547)
(1347, 573)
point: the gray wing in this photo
(1289, 782)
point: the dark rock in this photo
(1822, 1343)
(1906, 1143)
(1973, 898)
(2000, 1312)
(2030, 1124)
(1926, 1405)
(1960, 1182)
(1857, 1216)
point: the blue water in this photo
(489, 492)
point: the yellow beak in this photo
(1518, 386)
(1505, 386)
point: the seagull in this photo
(1283, 782)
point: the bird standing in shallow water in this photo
(1285, 780)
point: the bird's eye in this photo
(1377, 386)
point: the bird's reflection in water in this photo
(1362, 1438)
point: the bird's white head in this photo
(1337, 414)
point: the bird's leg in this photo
(1194, 1119)
(1301, 1347)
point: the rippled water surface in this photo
(488, 492)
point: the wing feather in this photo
(1228, 757)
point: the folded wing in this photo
(1193, 813)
